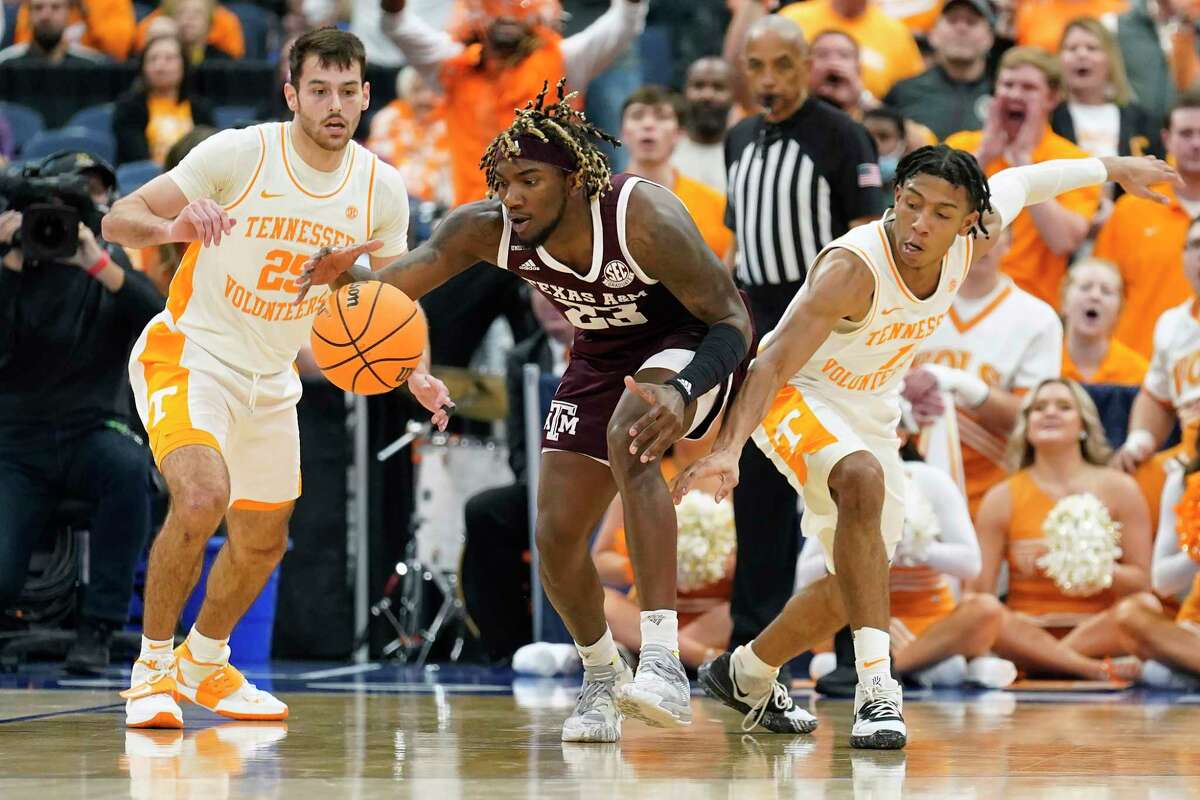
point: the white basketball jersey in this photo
(1174, 374)
(235, 299)
(861, 365)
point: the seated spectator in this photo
(704, 621)
(889, 52)
(939, 552)
(160, 108)
(709, 95)
(66, 327)
(1092, 295)
(1042, 23)
(207, 29)
(886, 127)
(410, 134)
(1170, 645)
(89, 27)
(1158, 42)
(1099, 114)
(650, 129)
(47, 40)
(1060, 452)
(950, 96)
(1145, 238)
(1017, 132)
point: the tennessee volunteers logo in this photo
(351, 212)
(617, 275)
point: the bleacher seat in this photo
(94, 118)
(132, 175)
(100, 143)
(25, 122)
(258, 24)
(233, 115)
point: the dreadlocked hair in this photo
(559, 123)
(956, 167)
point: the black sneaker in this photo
(773, 708)
(879, 718)
(89, 652)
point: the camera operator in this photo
(67, 322)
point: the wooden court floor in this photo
(449, 743)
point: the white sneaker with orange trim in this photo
(224, 691)
(150, 698)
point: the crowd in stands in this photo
(1069, 364)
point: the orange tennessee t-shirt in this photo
(110, 26)
(1030, 261)
(1121, 365)
(225, 33)
(707, 207)
(1145, 238)
(480, 101)
(889, 53)
(1040, 23)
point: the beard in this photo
(47, 40)
(709, 120)
(315, 130)
(538, 239)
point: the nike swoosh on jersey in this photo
(265, 195)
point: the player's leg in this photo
(969, 630)
(661, 693)
(573, 493)
(624, 618)
(1151, 635)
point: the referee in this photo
(800, 175)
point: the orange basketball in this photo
(368, 337)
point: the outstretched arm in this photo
(1016, 188)
(841, 288)
(469, 234)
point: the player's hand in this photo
(1138, 173)
(721, 464)
(89, 250)
(203, 220)
(922, 392)
(434, 396)
(330, 263)
(662, 425)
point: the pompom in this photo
(921, 527)
(1082, 545)
(1187, 517)
(706, 538)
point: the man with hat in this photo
(65, 432)
(952, 95)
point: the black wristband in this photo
(718, 355)
(681, 388)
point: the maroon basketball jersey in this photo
(616, 307)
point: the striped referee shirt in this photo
(793, 187)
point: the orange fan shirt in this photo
(1030, 262)
(1121, 365)
(225, 33)
(1040, 23)
(109, 27)
(707, 207)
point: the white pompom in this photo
(1082, 545)
(921, 528)
(706, 538)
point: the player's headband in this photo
(532, 148)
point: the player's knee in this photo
(857, 482)
(619, 439)
(200, 507)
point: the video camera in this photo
(52, 206)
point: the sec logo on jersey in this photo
(617, 275)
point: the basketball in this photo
(368, 337)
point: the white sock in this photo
(602, 653)
(750, 668)
(872, 657)
(661, 627)
(156, 649)
(206, 650)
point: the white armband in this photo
(1140, 442)
(1017, 187)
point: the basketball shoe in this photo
(220, 688)
(596, 717)
(150, 698)
(878, 717)
(763, 703)
(660, 694)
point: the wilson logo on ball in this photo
(352, 296)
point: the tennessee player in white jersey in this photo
(213, 375)
(996, 343)
(822, 399)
